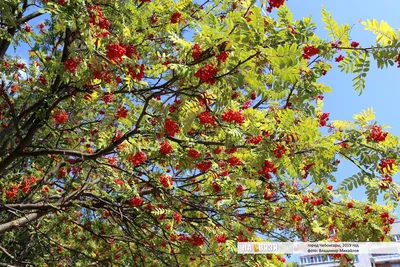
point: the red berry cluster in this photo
(268, 195)
(354, 44)
(222, 57)
(224, 173)
(118, 135)
(292, 29)
(216, 187)
(193, 153)
(115, 52)
(62, 173)
(131, 51)
(136, 201)
(386, 180)
(274, 4)
(367, 210)
(336, 45)
(246, 104)
(205, 117)
(60, 117)
(196, 52)
(118, 181)
(71, 64)
(398, 60)
(207, 74)
(387, 164)
(45, 189)
(221, 238)
(12, 192)
(17, 65)
(107, 98)
(176, 17)
(268, 168)
(138, 158)
(171, 127)
(234, 161)
(197, 240)
(103, 74)
(306, 170)
(42, 80)
(339, 58)
(310, 51)
(255, 139)
(279, 151)
(231, 150)
(177, 217)
(317, 201)
(323, 118)
(166, 180)
(235, 94)
(376, 134)
(233, 116)
(217, 150)
(97, 18)
(165, 148)
(296, 217)
(172, 109)
(239, 190)
(28, 28)
(122, 112)
(241, 238)
(386, 218)
(204, 166)
(25, 186)
(134, 74)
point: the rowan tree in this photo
(162, 132)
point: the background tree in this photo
(163, 132)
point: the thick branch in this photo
(21, 221)
(30, 16)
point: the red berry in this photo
(176, 17)
(136, 201)
(274, 4)
(115, 52)
(204, 166)
(165, 148)
(138, 158)
(354, 44)
(207, 74)
(309, 51)
(339, 58)
(233, 116)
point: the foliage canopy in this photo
(163, 132)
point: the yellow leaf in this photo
(127, 32)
